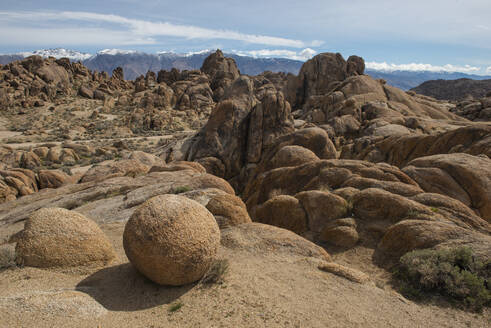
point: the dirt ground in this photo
(269, 289)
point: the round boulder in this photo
(56, 237)
(171, 239)
(293, 156)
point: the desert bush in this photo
(453, 273)
(216, 273)
(175, 306)
(180, 189)
(7, 257)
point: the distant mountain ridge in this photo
(407, 80)
(454, 89)
(135, 63)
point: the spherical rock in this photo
(56, 237)
(342, 236)
(293, 156)
(171, 239)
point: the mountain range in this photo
(136, 63)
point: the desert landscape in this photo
(328, 195)
(245, 164)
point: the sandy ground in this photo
(271, 289)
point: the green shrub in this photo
(180, 190)
(454, 273)
(175, 306)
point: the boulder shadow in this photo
(123, 288)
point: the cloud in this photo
(69, 37)
(136, 30)
(304, 54)
(421, 67)
(488, 70)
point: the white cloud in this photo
(136, 30)
(488, 70)
(421, 67)
(304, 54)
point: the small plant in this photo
(216, 273)
(349, 206)
(180, 189)
(434, 209)
(176, 306)
(7, 258)
(454, 273)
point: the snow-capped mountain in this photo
(58, 53)
(114, 52)
(136, 63)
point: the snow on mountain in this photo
(58, 53)
(200, 52)
(116, 52)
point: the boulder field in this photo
(299, 193)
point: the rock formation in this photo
(56, 237)
(172, 240)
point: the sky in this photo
(438, 35)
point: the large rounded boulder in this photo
(56, 237)
(172, 240)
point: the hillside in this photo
(454, 89)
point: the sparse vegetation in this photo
(180, 189)
(454, 273)
(216, 273)
(176, 306)
(7, 258)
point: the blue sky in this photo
(452, 35)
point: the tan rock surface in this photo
(172, 240)
(55, 237)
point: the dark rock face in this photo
(319, 74)
(475, 110)
(221, 70)
(241, 126)
(454, 89)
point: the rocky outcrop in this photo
(222, 71)
(463, 177)
(454, 89)
(116, 198)
(399, 150)
(239, 129)
(349, 202)
(172, 240)
(475, 110)
(320, 74)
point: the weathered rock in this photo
(172, 240)
(146, 159)
(293, 156)
(128, 167)
(221, 70)
(461, 176)
(283, 211)
(409, 235)
(317, 76)
(228, 210)
(322, 207)
(374, 204)
(266, 239)
(345, 272)
(343, 236)
(86, 92)
(52, 178)
(56, 237)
